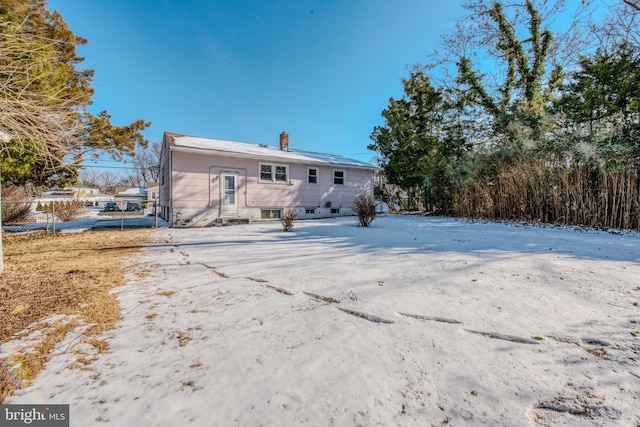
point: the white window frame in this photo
(271, 214)
(317, 175)
(344, 176)
(274, 173)
(310, 211)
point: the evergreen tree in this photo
(601, 108)
(416, 147)
(46, 127)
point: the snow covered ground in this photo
(414, 321)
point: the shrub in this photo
(288, 217)
(16, 204)
(364, 206)
(66, 211)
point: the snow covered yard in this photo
(414, 321)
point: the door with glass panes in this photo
(229, 193)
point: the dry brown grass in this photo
(166, 293)
(69, 275)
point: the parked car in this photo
(111, 207)
(133, 206)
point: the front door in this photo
(229, 193)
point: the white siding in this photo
(195, 192)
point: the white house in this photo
(207, 181)
(76, 193)
(135, 194)
(153, 191)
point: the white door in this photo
(229, 193)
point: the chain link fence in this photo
(63, 214)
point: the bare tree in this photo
(144, 164)
(476, 36)
(89, 176)
(108, 180)
(621, 25)
(634, 4)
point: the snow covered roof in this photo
(133, 191)
(260, 151)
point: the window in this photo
(271, 213)
(274, 173)
(281, 174)
(338, 177)
(312, 176)
(310, 211)
(266, 172)
(335, 210)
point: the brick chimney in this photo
(284, 141)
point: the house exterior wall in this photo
(190, 193)
(164, 181)
(153, 191)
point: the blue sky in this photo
(242, 70)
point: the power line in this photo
(114, 167)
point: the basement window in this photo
(335, 210)
(310, 211)
(271, 213)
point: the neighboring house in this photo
(78, 193)
(207, 181)
(84, 192)
(136, 194)
(118, 189)
(59, 194)
(153, 190)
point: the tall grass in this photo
(537, 191)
